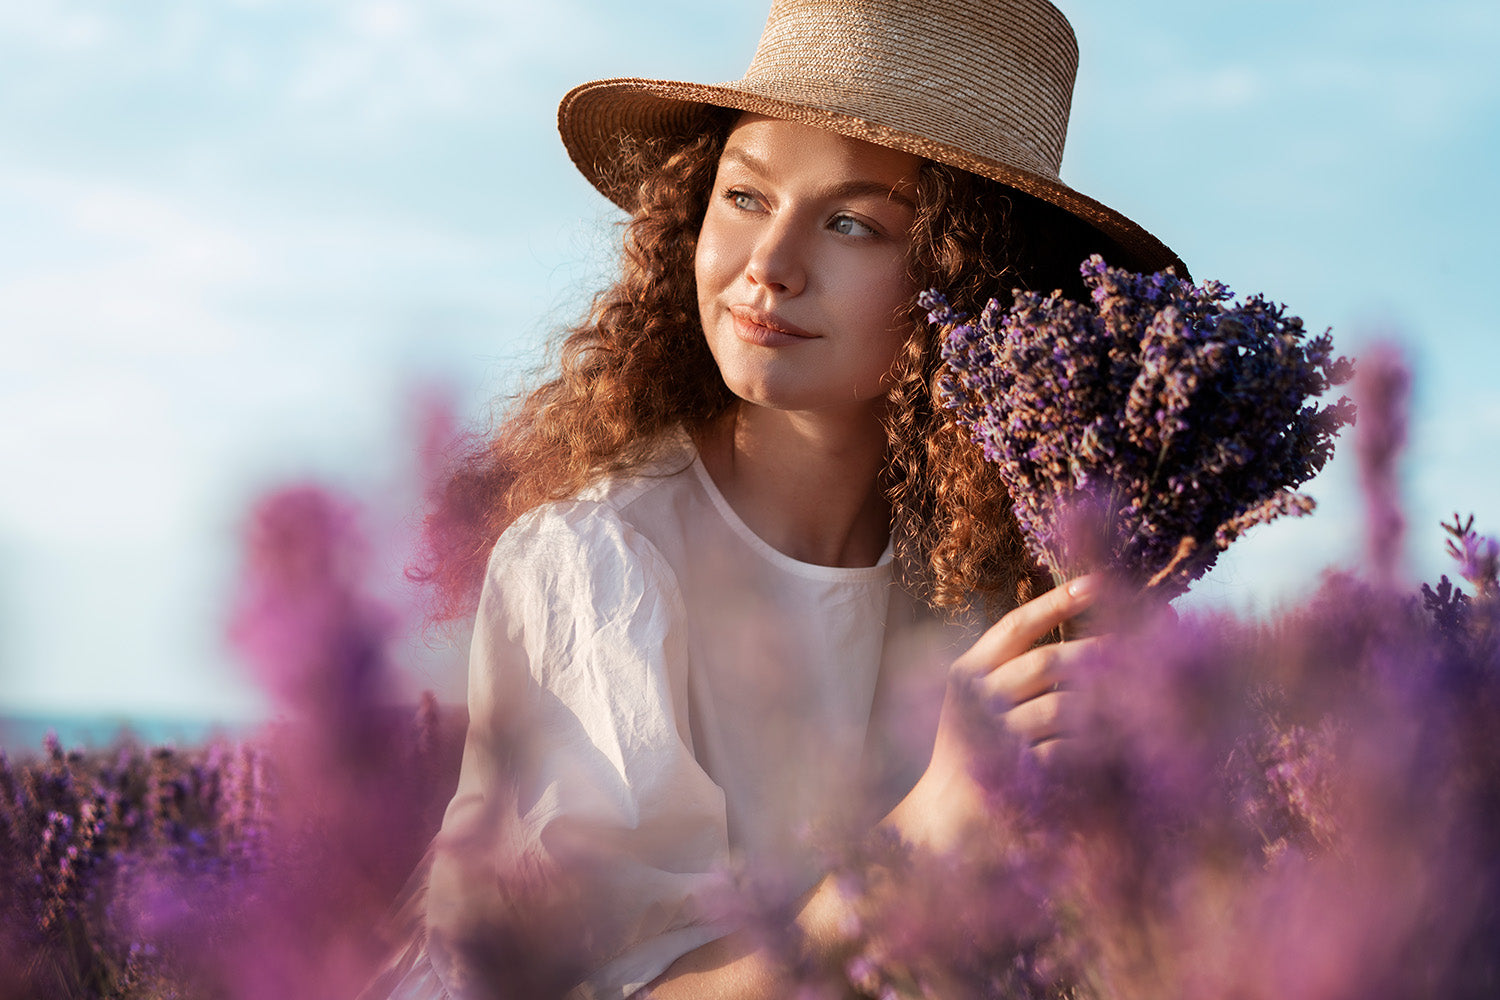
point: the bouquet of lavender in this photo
(1142, 432)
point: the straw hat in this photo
(984, 85)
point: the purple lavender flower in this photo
(1308, 807)
(1478, 556)
(1383, 389)
(301, 618)
(1143, 431)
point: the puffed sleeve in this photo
(578, 767)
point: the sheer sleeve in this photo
(578, 767)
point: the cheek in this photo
(892, 346)
(887, 303)
(701, 255)
(708, 268)
(890, 312)
(712, 257)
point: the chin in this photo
(769, 397)
(789, 400)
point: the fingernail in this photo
(1084, 586)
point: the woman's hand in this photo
(1001, 673)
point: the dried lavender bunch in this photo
(1140, 433)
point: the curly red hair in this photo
(638, 366)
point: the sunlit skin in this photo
(803, 289)
(802, 266)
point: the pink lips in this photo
(765, 329)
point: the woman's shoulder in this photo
(595, 530)
(570, 572)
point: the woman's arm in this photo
(1001, 669)
(583, 827)
(734, 967)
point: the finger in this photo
(1061, 748)
(1042, 718)
(1020, 629)
(1021, 678)
(1036, 671)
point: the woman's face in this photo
(801, 266)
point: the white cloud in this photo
(141, 273)
(393, 61)
(1208, 89)
(357, 63)
(66, 26)
(93, 455)
(130, 272)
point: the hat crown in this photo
(981, 85)
(994, 77)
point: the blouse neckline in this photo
(880, 572)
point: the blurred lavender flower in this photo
(301, 619)
(1303, 809)
(1383, 389)
(349, 809)
(250, 870)
(1142, 432)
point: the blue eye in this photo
(847, 225)
(742, 200)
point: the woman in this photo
(688, 648)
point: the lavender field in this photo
(1306, 806)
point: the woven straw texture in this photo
(984, 85)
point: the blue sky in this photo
(239, 234)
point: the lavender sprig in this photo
(1478, 555)
(1141, 432)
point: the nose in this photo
(778, 260)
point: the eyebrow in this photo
(852, 188)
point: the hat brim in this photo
(594, 118)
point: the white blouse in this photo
(690, 697)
